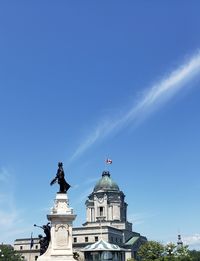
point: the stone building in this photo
(106, 219)
(23, 246)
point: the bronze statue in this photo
(44, 241)
(60, 178)
(43, 244)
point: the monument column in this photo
(61, 218)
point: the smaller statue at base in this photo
(44, 241)
(43, 244)
(60, 178)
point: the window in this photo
(106, 255)
(75, 239)
(21, 247)
(95, 239)
(36, 247)
(86, 239)
(92, 214)
(101, 211)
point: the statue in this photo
(60, 178)
(43, 244)
(44, 241)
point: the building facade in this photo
(106, 219)
(28, 251)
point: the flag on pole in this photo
(108, 161)
(31, 244)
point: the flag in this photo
(31, 244)
(108, 161)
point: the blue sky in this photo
(83, 80)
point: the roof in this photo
(102, 245)
(132, 240)
(106, 183)
(135, 238)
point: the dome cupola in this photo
(106, 183)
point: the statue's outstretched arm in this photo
(53, 181)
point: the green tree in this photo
(183, 253)
(172, 252)
(195, 255)
(8, 254)
(170, 249)
(151, 250)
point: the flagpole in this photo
(105, 164)
(108, 161)
(31, 245)
(29, 258)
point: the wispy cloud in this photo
(10, 215)
(139, 218)
(155, 96)
(8, 218)
(88, 181)
(88, 186)
(4, 175)
(192, 240)
(83, 196)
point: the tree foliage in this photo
(8, 254)
(195, 255)
(151, 250)
(170, 250)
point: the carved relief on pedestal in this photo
(60, 206)
(61, 236)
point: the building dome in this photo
(106, 183)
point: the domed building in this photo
(107, 204)
(106, 219)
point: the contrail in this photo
(153, 98)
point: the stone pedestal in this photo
(61, 218)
